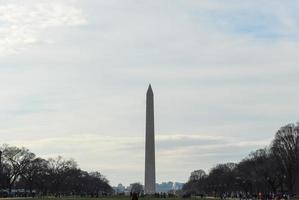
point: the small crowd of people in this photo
(260, 196)
(136, 195)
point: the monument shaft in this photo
(150, 169)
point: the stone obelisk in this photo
(150, 169)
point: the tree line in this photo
(272, 171)
(22, 170)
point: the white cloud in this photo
(25, 24)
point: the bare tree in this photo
(221, 178)
(15, 160)
(58, 171)
(197, 175)
(55, 176)
(196, 183)
(1, 171)
(33, 171)
(285, 147)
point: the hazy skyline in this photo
(74, 74)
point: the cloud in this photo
(25, 24)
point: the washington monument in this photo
(150, 169)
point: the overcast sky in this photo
(74, 73)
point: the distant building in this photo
(119, 189)
(168, 186)
(160, 188)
